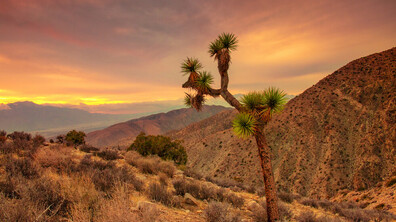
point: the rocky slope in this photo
(124, 133)
(338, 134)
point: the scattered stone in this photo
(252, 205)
(188, 199)
(144, 205)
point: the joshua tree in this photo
(255, 108)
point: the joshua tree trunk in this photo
(270, 188)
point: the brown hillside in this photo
(338, 134)
(124, 133)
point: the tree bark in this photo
(270, 188)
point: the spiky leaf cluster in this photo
(253, 101)
(187, 100)
(275, 99)
(191, 65)
(204, 81)
(224, 41)
(244, 125)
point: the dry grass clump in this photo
(25, 167)
(349, 210)
(288, 197)
(306, 216)
(235, 200)
(220, 212)
(150, 165)
(309, 202)
(148, 212)
(47, 193)
(108, 154)
(88, 148)
(259, 214)
(204, 191)
(56, 157)
(118, 208)
(160, 193)
(191, 173)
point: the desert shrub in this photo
(168, 168)
(219, 212)
(224, 182)
(21, 166)
(106, 179)
(207, 192)
(132, 158)
(87, 164)
(194, 189)
(149, 212)
(117, 208)
(147, 166)
(180, 186)
(58, 159)
(288, 197)
(161, 146)
(88, 148)
(379, 215)
(235, 200)
(306, 216)
(16, 210)
(325, 204)
(260, 213)
(220, 194)
(20, 136)
(47, 193)
(191, 173)
(355, 215)
(60, 139)
(284, 211)
(7, 148)
(3, 136)
(250, 189)
(159, 193)
(38, 140)
(9, 187)
(309, 202)
(108, 154)
(197, 190)
(75, 138)
(260, 192)
(163, 179)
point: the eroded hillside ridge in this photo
(123, 134)
(338, 134)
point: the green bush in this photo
(75, 138)
(162, 146)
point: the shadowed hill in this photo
(124, 133)
(338, 134)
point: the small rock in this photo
(141, 205)
(188, 199)
(252, 205)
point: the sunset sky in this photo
(104, 55)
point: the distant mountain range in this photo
(338, 134)
(123, 134)
(51, 120)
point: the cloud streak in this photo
(106, 52)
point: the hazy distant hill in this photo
(124, 133)
(338, 134)
(50, 120)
